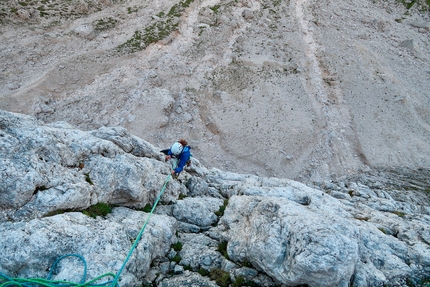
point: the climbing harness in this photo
(6, 281)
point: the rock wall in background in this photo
(305, 89)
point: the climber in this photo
(180, 155)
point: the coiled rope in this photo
(32, 282)
(6, 281)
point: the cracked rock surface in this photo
(210, 228)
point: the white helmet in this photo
(177, 148)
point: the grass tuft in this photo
(221, 277)
(399, 213)
(147, 208)
(382, 230)
(221, 210)
(88, 179)
(99, 209)
(177, 246)
(203, 272)
(177, 258)
(222, 248)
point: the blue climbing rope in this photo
(6, 281)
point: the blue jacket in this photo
(183, 157)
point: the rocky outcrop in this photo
(211, 228)
(52, 167)
(30, 247)
(291, 242)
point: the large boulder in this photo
(199, 211)
(301, 235)
(290, 242)
(30, 248)
(52, 167)
(199, 252)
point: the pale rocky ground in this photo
(302, 89)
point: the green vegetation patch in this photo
(423, 5)
(132, 10)
(222, 248)
(215, 8)
(399, 213)
(203, 272)
(99, 209)
(177, 258)
(88, 179)
(177, 246)
(382, 230)
(221, 277)
(104, 24)
(147, 208)
(241, 281)
(408, 4)
(221, 210)
(246, 263)
(157, 31)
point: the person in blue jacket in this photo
(180, 153)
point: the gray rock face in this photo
(86, 31)
(276, 231)
(199, 211)
(291, 242)
(52, 167)
(32, 247)
(188, 280)
(370, 229)
(199, 252)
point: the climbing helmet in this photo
(177, 148)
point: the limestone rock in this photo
(32, 247)
(64, 168)
(197, 210)
(199, 251)
(189, 280)
(290, 242)
(85, 30)
(367, 229)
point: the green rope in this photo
(115, 281)
(31, 282)
(6, 281)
